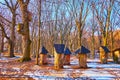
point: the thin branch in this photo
(26, 2)
(16, 5)
(5, 19)
(8, 5)
(2, 3)
(11, 3)
(3, 30)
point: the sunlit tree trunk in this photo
(93, 40)
(39, 25)
(112, 42)
(79, 33)
(25, 35)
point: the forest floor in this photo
(11, 69)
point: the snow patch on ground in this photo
(6, 59)
(96, 71)
(17, 69)
(97, 74)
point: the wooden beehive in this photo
(67, 53)
(103, 54)
(82, 56)
(43, 56)
(58, 51)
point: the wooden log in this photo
(82, 60)
(67, 60)
(41, 59)
(57, 60)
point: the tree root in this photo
(24, 59)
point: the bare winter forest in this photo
(60, 39)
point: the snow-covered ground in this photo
(96, 71)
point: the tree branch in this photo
(27, 1)
(3, 30)
(8, 5)
(5, 19)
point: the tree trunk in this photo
(10, 48)
(112, 43)
(105, 41)
(2, 42)
(93, 43)
(57, 60)
(82, 60)
(78, 24)
(93, 31)
(61, 37)
(79, 39)
(39, 25)
(12, 36)
(25, 36)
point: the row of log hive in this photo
(61, 59)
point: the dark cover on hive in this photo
(59, 48)
(67, 51)
(105, 49)
(82, 50)
(44, 50)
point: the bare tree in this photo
(103, 18)
(80, 22)
(39, 26)
(25, 31)
(11, 40)
(93, 32)
(1, 39)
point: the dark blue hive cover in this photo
(59, 48)
(105, 49)
(67, 51)
(44, 50)
(82, 50)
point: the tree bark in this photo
(2, 42)
(11, 48)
